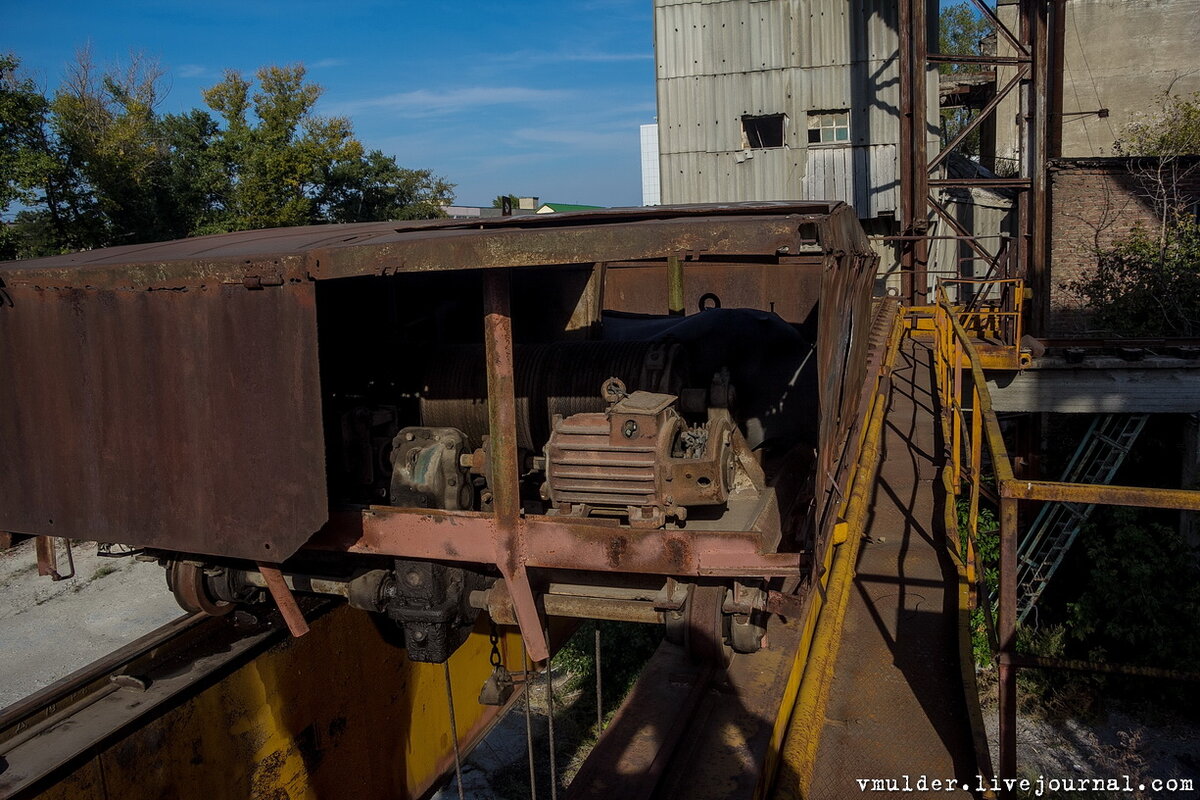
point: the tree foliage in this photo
(96, 164)
(1144, 285)
(1162, 146)
(1143, 593)
(498, 202)
(961, 32)
(1147, 283)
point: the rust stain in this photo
(615, 550)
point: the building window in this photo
(764, 131)
(828, 127)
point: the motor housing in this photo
(639, 459)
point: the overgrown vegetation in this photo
(987, 553)
(1147, 283)
(625, 649)
(1140, 598)
(95, 163)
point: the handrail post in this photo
(956, 430)
(1008, 636)
(976, 480)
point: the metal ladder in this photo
(1096, 460)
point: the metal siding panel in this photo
(810, 44)
(189, 420)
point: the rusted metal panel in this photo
(190, 419)
(555, 543)
(789, 289)
(334, 251)
(842, 343)
(181, 419)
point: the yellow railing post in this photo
(956, 420)
(976, 481)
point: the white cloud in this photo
(425, 102)
(326, 63)
(579, 138)
(192, 71)
(563, 56)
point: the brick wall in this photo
(1095, 201)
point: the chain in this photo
(454, 730)
(494, 637)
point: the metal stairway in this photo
(1096, 461)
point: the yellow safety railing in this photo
(993, 314)
(967, 429)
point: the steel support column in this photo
(502, 449)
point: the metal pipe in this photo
(1038, 268)
(301, 583)
(996, 448)
(920, 175)
(616, 609)
(674, 286)
(1174, 499)
(907, 167)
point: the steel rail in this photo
(49, 732)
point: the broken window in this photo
(829, 127)
(763, 131)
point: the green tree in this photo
(1144, 285)
(108, 135)
(1142, 594)
(961, 32)
(22, 158)
(96, 164)
(514, 201)
(35, 175)
(375, 187)
(275, 150)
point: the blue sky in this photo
(535, 98)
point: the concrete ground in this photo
(49, 629)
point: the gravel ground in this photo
(1107, 744)
(49, 629)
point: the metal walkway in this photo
(896, 706)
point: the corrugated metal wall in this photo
(718, 60)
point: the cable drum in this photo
(557, 378)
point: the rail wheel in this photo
(190, 587)
(705, 635)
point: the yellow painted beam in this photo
(798, 733)
(341, 712)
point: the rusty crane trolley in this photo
(636, 414)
